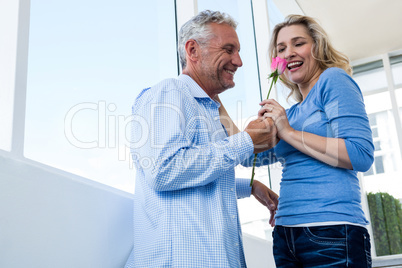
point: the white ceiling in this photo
(359, 28)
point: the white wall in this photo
(49, 219)
(258, 252)
(52, 219)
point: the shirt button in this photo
(232, 189)
(237, 244)
(233, 217)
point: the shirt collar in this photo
(195, 90)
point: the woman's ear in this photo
(192, 50)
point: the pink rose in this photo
(278, 64)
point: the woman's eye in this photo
(281, 50)
(299, 44)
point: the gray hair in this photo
(197, 28)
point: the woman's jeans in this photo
(322, 246)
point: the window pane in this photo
(371, 80)
(241, 101)
(8, 49)
(372, 119)
(397, 71)
(379, 166)
(375, 132)
(377, 145)
(274, 15)
(87, 62)
(398, 94)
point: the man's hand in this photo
(266, 197)
(263, 133)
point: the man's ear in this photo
(192, 50)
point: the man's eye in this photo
(230, 51)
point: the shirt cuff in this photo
(243, 188)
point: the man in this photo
(185, 207)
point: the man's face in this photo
(219, 60)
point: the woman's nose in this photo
(289, 54)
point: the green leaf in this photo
(271, 75)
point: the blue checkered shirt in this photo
(185, 202)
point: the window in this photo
(398, 94)
(8, 33)
(88, 60)
(382, 182)
(274, 15)
(383, 140)
(242, 101)
(396, 66)
(370, 78)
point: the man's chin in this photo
(228, 85)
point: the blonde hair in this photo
(323, 51)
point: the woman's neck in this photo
(305, 88)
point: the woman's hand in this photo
(271, 108)
(328, 150)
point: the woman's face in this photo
(295, 45)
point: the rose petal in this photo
(274, 64)
(281, 65)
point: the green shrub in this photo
(386, 221)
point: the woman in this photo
(325, 139)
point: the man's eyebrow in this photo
(230, 46)
(294, 39)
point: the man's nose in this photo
(237, 60)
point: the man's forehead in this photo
(225, 35)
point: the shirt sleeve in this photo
(179, 157)
(344, 107)
(243, 188)
(264, 158)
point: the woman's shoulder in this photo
(335, 82)
(334, 72)
(335, 76)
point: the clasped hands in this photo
(269, 127)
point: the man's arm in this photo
(177, 159)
